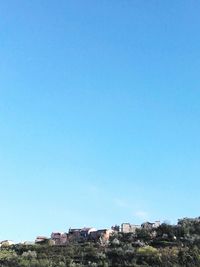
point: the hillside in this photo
(166, 246)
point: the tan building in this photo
(129, 228)
(6, 243)
(103, 235)
(149, 225)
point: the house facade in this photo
(79, 235)
(60, 238)
(149, 225)
(102, 235)
(129, 228)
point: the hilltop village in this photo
(91, 234)
(87, 234)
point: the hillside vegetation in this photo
(166, 246)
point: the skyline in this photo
(99, 114)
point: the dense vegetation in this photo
(167, 246)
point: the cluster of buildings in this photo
(86, 234)
(76, 235)
(92, 234)
(131, 228)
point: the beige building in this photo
(102, 235)
(6, 243)
(129, 228)
(149, 225)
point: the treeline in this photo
(166, 246)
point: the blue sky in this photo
(99, 113)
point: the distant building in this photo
(41, 240)
(6, 243)
(129, 228)
(85, 232)
(59, 238)
(28, 243)
(156, 224)
(78, 235)
(102, 235)
(149, 225)
(73, 231)
(115, 228)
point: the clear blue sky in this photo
(99, 113)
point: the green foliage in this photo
(143, 234)
(147, 251)
(166, 246)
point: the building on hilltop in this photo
(41, 240)
(129, 228)
(79, 235)
(85, 232)
(116, 228)
(149, 225)
(6, 243)
(102, 235)
(60, 238)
